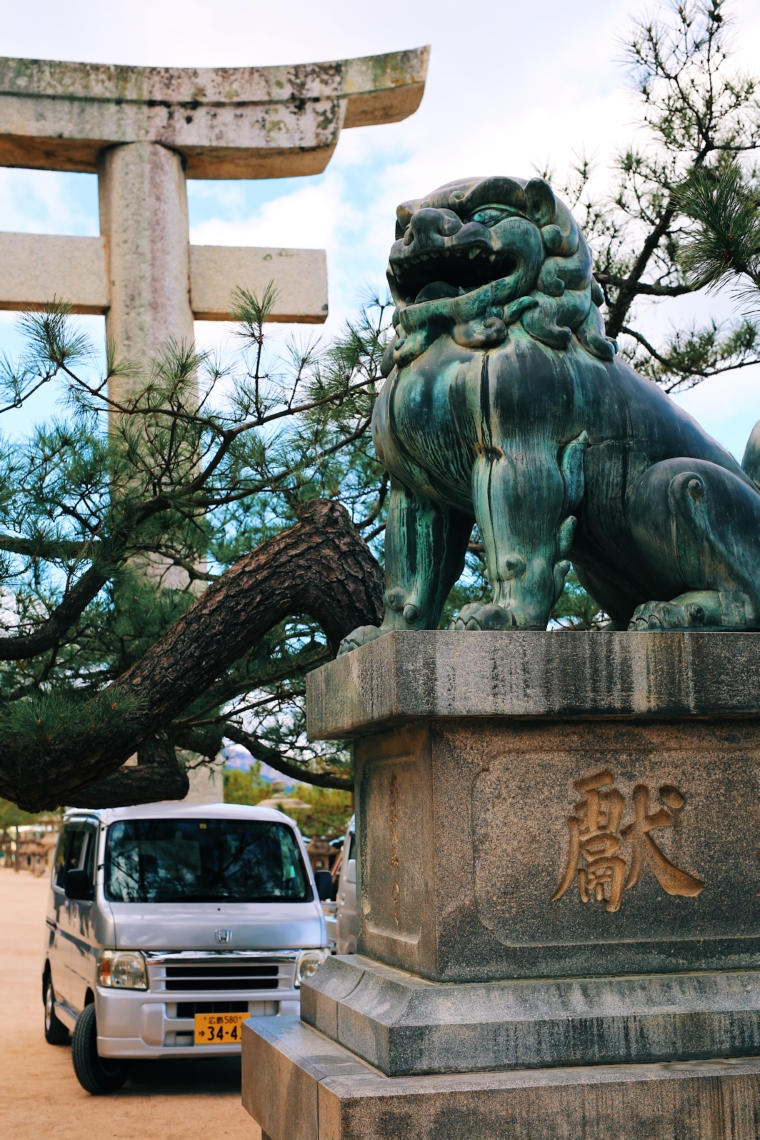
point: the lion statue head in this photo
(481, 254)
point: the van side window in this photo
(60, 852)
(71, 849)
(87, 858)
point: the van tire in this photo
(56, 1032)
(97, 1075)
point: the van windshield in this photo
(204, 860)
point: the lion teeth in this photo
(474, 253)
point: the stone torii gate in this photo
(144, 131)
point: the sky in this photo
(510, 87)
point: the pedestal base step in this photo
(299, 1085)
(407, 1026)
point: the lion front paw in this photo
(359, 636)
(483, 615)
(667, 615)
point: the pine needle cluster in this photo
(698, 115)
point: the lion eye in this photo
(489, 216)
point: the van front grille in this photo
(206, 972)
(221, 977)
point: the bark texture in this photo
(320, 568)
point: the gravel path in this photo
(162, 1100)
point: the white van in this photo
(168, 925)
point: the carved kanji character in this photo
(645, 850)
(596, 839)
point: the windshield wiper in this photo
(187, 897)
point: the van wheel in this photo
(96, 1074)
(56, 1032)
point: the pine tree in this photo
(172, 564)
(697, 113)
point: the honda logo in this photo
(223, 935)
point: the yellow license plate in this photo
(219, 1028)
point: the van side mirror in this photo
(324, 882)
(351, 871)
(78, 885)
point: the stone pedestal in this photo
(559, 918)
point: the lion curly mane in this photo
(549, 287)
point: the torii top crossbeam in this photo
(226, 122)
(144, 131)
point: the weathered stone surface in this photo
(300, 1086)
(404, 676)
(558, 843)
(246, 122)
(280, 1085)
(38, 267)
(466, 861)
(405, 1025)
(471, 811)
(144, 130)
(300, 277)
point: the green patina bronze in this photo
(505, 405)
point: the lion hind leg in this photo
(425, 548)
(697, 526)
(696, 609)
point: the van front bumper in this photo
(141, 1024)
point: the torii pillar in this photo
(144, 131)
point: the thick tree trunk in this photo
(320, 568)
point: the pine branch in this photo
(320, 568)
(646, 289)
(50, 632)
(275, 759)
(158, 775)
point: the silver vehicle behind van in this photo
(168, 925)
(341, 926)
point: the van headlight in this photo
(122, 970)
(308, 962)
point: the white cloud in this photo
(45, 202)
(308, 218)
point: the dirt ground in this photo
(165, 1100)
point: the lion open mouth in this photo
(449, 271)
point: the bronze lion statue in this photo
(505, 404)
